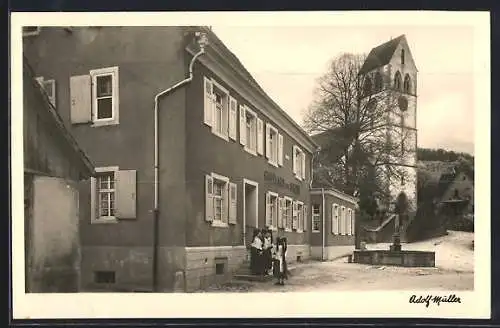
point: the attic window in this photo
(402, 56)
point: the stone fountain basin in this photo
(397, 258)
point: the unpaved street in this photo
(454, 271)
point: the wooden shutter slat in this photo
(260, 136)
(209, 204)
(126, 190)
(280, 149)
(233, 203)
(80, 99)
(243, 130)
(208, 101)
(232, 117)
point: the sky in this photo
(286, 61)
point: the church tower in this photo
(392, 69)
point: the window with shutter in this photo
(260, 136)
(272, 207)
(104, 193)
(233, 203)
(233, 118)
(219, 202)
(243, 128)
(105, 96)
(220, 105)
(316, 220)
(294, 160)
(250, 126)
(298, 163)
(272, 144)
(335, 219)
(280, 212)
(288, 215)
(300, 217)
(343, 221)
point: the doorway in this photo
(250, 209)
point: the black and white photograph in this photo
(326, 164)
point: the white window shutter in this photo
(126, 194)
(209, 200)
(294, 160)
(81, 99)
(333, 223)
(260, 136)
(276, 214)
(243, 126)
(353, 223)
(304, 208)
(208, 104)
(93, 199)
(268, 147)
(303, 173)
(232, 203)
(342, 222)
(225, 203)
(280, 149)
(280, 212)
(268, 214)
(232, 117)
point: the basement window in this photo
(104, 277)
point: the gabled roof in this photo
(47, 110)
(380, 55)
(238, 66)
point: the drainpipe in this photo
(202, 42)
(323, 228)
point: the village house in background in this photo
(191, 156)
(53, 166)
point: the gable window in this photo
(272, 210)
(49, 87)
(402, 56)
(217, 200)
(104, 94)
(272, 144)
(113, 195)
(397, 81)
(316, 221)
(299, 163)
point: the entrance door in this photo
(250, 209)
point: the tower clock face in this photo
(403, 103)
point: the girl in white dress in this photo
(280, 260)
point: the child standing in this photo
(281, 269)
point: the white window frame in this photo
(349, 222)
(299, 159)
(288, 213)
(300, 217)
(249, 112)
(217, 178)
(114, 119)
(98, 218)
(343, 218)
(32, 33)
(313, 215)
(219, 89)
(274, 151)
(274, 221)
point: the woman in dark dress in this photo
(268, 254)
(256, 253)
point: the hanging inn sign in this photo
(272, 178)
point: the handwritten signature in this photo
(427, 300)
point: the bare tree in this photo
(366, 112)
